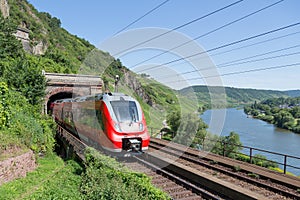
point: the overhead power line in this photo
(141, 17)
(210, 32)
(234, 63)
(223, 46)
(179, 27)
(258, 55)
(257, 60)
(239, 72)
(254, 44)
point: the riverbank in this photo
(282, 112)
(257, 134)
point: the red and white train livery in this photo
(111, 121)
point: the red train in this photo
(110, 121)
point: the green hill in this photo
(293, 93)
(60, 51)
(47, 46)
(234, 96)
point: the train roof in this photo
(63, 100)
(117, 97)
(104, 96)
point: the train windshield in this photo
(125, 111)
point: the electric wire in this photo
(258, 55)
(257, 60)
(179, 27)
(210, 32)
(234, 63)
(223, 46)
(256, 43)
(246, 46)
(249, 45)
(141, 17)
(238, 72)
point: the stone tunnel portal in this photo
(62, 86)
(62, 95)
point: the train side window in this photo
(99, 118)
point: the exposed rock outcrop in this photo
(4, 7)
(39, 49)
(132, 82)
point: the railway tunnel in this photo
(62, 86)
(61, 95)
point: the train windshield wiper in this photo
(133, 117)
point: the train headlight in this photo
(118, 128)
(141, 127)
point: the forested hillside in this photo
(59, 50)
(283, 112)
(22, 87)
(293, 93)
(234, 96)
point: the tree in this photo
(4, 110)
(187, 129)
(173, 120)
(284, 119)
(9, 45)
(25, 76)
(231, 144)
(295, 112)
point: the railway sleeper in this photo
(213, 184)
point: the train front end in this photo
(125, 125)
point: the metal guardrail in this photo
(285, 163)
(77, 145)
(284, 157)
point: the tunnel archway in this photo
(56, 94)
(68, 85)
(62, 95)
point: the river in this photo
(259, 134)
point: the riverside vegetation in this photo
(283, 112)
(228, 146)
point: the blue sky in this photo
(98, 21)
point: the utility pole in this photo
(117, 78)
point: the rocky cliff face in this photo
(22, 33)
(4, 8)
(40, 48)
(132, 82)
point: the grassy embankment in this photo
(101, 177)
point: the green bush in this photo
(105, 178)
(243, 158)
(4, 110)
(25, 76)
(23, 123)
(262, 161)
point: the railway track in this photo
(266, 183)
(175, 186)
(186, 174)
